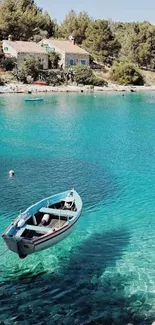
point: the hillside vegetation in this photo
(106, 41)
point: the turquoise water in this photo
(104, 146)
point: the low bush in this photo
(83, 75)
(52, 77)
(20, 75)
(8, 63)
(54, 58)
(126, 74)
(99, 81)
(30, 68)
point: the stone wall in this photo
(21, 57)
(77, 58)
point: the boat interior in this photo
(47, 219)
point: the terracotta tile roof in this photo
(26, 47)
(66, 46)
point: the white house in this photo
(25, 50)
(70, 53)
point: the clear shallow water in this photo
(104, 146)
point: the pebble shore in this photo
(22, 88)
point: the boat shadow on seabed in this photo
(82, 292)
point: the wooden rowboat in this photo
(44, 224)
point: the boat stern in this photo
(11, 242)
(19, 246)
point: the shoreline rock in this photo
(33, 89)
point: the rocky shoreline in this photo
(22, 88)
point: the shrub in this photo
(30, 68)
(51, 77)
(83, 75)
(20, 75)
(126, 74)
(54, 59)
(99, 81)
(8, 63)
(7, 77)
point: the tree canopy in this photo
(23, 19)
(137, 42)
(100, 42)
(75, 25)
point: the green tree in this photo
(75, 25)
(143, 45)
(54, 58)
(137, 42)
(126, 74)
(9, 18)
(23, 19)
(101, 42)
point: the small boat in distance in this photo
(37, 99)
(44, 224)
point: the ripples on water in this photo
(104, 147)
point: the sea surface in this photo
(103, 145)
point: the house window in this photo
(51, 48)
(83, 62)
(71, 62)
(5, 48)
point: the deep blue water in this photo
(104, 146)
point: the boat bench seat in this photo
(43, 230)
(56, 212)
(38, 229)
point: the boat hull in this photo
(19, 246)
(33, 99)
(53, 240)
(16, 237)
(24, 247)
